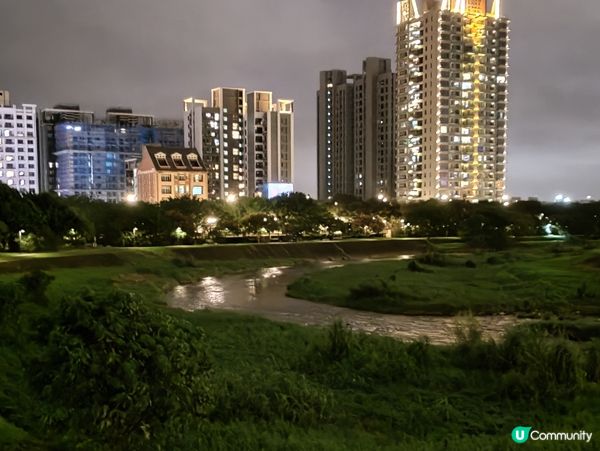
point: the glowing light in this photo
(559, 198)
(496, 9)
(131, 199)
(231, 198)
(415, 9)
(179, 234)
(211, 220)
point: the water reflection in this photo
(268, 273)
(214, 292)
(264, 293)
(251, 285)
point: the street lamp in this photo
(231, 198)
(131, 198)
(211, 221)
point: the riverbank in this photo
(268, 385)
(533, 281)
(106, 257)
(153, 271)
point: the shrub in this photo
(270, 397)
(433, 258)
(115, 370)
(585, 292)
(592, 361)
(339, 341)
(470, 264)
(183, 262)
(413, 266)
(493, 260)
(546, 368)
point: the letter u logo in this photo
(520, 434)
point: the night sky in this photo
(150, 54)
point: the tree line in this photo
(45, 221)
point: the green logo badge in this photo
(520, 434)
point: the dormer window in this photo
(161, 159)
(177, 160)
(193, 160)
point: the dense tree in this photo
(46, 221)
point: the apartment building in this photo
(245, 140)
(355, 127)
(19, 163)
(451, 106)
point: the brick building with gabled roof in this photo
(166, 173)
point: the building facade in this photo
(166, 173)
(452, 62)
(98, 159)
(19, 163)
(49, 118)
(270, 141)
(245, 141)
(355, 127)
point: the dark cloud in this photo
(150, 54)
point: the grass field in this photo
(282, 386)
(535, 280)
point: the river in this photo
(263, 293)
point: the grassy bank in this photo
(149, 272)
(264, 385)
(536, 279)
(89, 371)
(102, 257)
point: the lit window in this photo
(193, 160)
(161, 159)
(177, 160)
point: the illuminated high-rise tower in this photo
(452, 61)
(355, 128)
(246, 141)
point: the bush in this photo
(546, 368)
(276, 396)
(346, 359)
(115, 370)
(413, 266)
(183, 262)
(470, 264)
(339, 341)
(433, 258)
(592, 361)
(493, 260)
(585, 292)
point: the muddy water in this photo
(263, 293)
